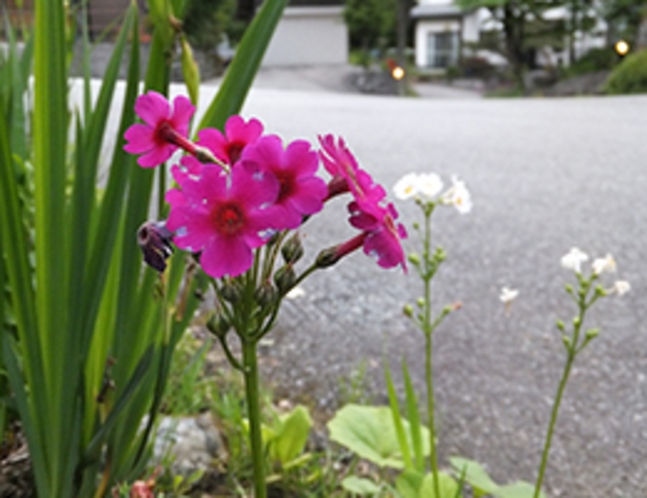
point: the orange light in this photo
(397, 73)
(621, 47)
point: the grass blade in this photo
(397, 419)
(414, 419)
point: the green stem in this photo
(428, 329)
(551, 426)
(254, 414)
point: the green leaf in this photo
(409, 483)
(414, 418)
(447, 486)
(369, 432)
(475, 475)
(397, 419)
(518, 489)
(92, 451)
(360, 486)
(290, 439)
(190, 71)
(243, 68)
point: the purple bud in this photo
(154, 239)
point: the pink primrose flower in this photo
(301, 193)
(383, 235)
(223, 216)
(165, 128)
(340, 162)
(228, 147)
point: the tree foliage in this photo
(371, 23)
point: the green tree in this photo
(371, 23)
(624, 18)
(206, 21)
(523, 30)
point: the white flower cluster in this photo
(430, 186)
(573, 261)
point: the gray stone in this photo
(191, 443)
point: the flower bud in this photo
(440, 255)
(266, 294)
(414, 258)
(154, 240)
(284, 278)
(420, 302)
(576, 321)
(218, 325)
(567, 342)
(408, 310)
(568, 288)
(292, 250)
(231, 291)
(592, 334)
(330, 256)
(560, 325)
(600, 291)
(273, 239)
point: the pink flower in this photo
(223, 216)
(165, 128)
(301, 193)
(347, 175)
(383, 236)
(238, 135)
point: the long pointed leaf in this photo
(403, 443)
(414, 418)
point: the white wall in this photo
(309, 35)
(423, 28)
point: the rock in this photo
(190, 443)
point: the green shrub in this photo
(630, 76)
(597, 59)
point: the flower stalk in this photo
(584, 297)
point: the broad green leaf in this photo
(290, 439)
(360, 486)
(518, 489)
(409, 483)
(447, 486)
(369, 432)
(475, 475)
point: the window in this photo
(442, 49)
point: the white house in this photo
(443, 31)
(311, 32)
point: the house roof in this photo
(436, 11)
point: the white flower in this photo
(458, 196)
(508, 295)
(604, 265)
(429, 184)
(621, 287)
(574, 259)
(407, 186)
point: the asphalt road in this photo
(545, 175)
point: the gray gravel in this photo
(545, 175)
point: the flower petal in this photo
(140, 138)
(152, 107)
(226, 256)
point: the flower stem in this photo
(428, 329)
(551, 426)
(254, 415)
